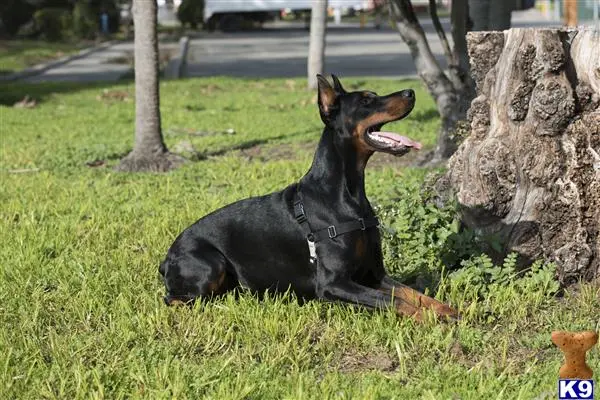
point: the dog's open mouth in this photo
(389, 142)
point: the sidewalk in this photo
(108, 65)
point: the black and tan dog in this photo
(317, 237)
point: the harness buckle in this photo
(362, 224)
(299, 212)
(331, 231)
(312, 251)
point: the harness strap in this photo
(332, 231)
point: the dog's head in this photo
(357, 117)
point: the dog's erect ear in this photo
(337, 85)
(327, 97)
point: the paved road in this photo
(280, 51)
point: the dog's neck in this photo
(338, 170)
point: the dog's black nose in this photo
(408, 93)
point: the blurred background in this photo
(253, 38)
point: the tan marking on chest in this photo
(360, 248)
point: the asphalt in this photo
(280, 50)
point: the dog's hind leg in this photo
(356, 294)
(196, 270)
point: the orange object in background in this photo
(570, 10)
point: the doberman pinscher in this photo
(317, 237)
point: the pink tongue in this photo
(400, 139)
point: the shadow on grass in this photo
(12, 92)
(23, 53)
(199, 156)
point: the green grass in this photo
(16, 55)
(81, 314)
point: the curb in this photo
(176, 67)
(39, 68)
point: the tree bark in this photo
(529, 172)
(491, 15)
(316, 50)
(452, 92)
(460, 25)
(149, 151)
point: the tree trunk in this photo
(570, 10)
(149, 152)
(453, 91)
(460, 25)
(316, 49)
(529, 171)
(491, 15)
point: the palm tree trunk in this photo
(316, 50)
(148, 136)
(149, 152)
(527, 174)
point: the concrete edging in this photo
(176, 68)
(39, 68)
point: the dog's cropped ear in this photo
(327, 97)
(337, 85)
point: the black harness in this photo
(332, 231)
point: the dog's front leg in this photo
(354, 293)
(414, 297)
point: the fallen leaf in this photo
(27, 102)
(114, 95)
(95, 163)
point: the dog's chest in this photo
(364, 248)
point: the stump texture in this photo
(529, 171)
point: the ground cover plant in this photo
(81, 312)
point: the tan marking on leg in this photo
(419, 300)
(403, 307)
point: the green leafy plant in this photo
(489, 292)
(85, 25)
(53, 23)
(482, 277)
(191, 12)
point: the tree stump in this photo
(528, 173)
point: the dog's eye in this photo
(365, 101)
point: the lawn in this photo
(16, 55)
(81, 311)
